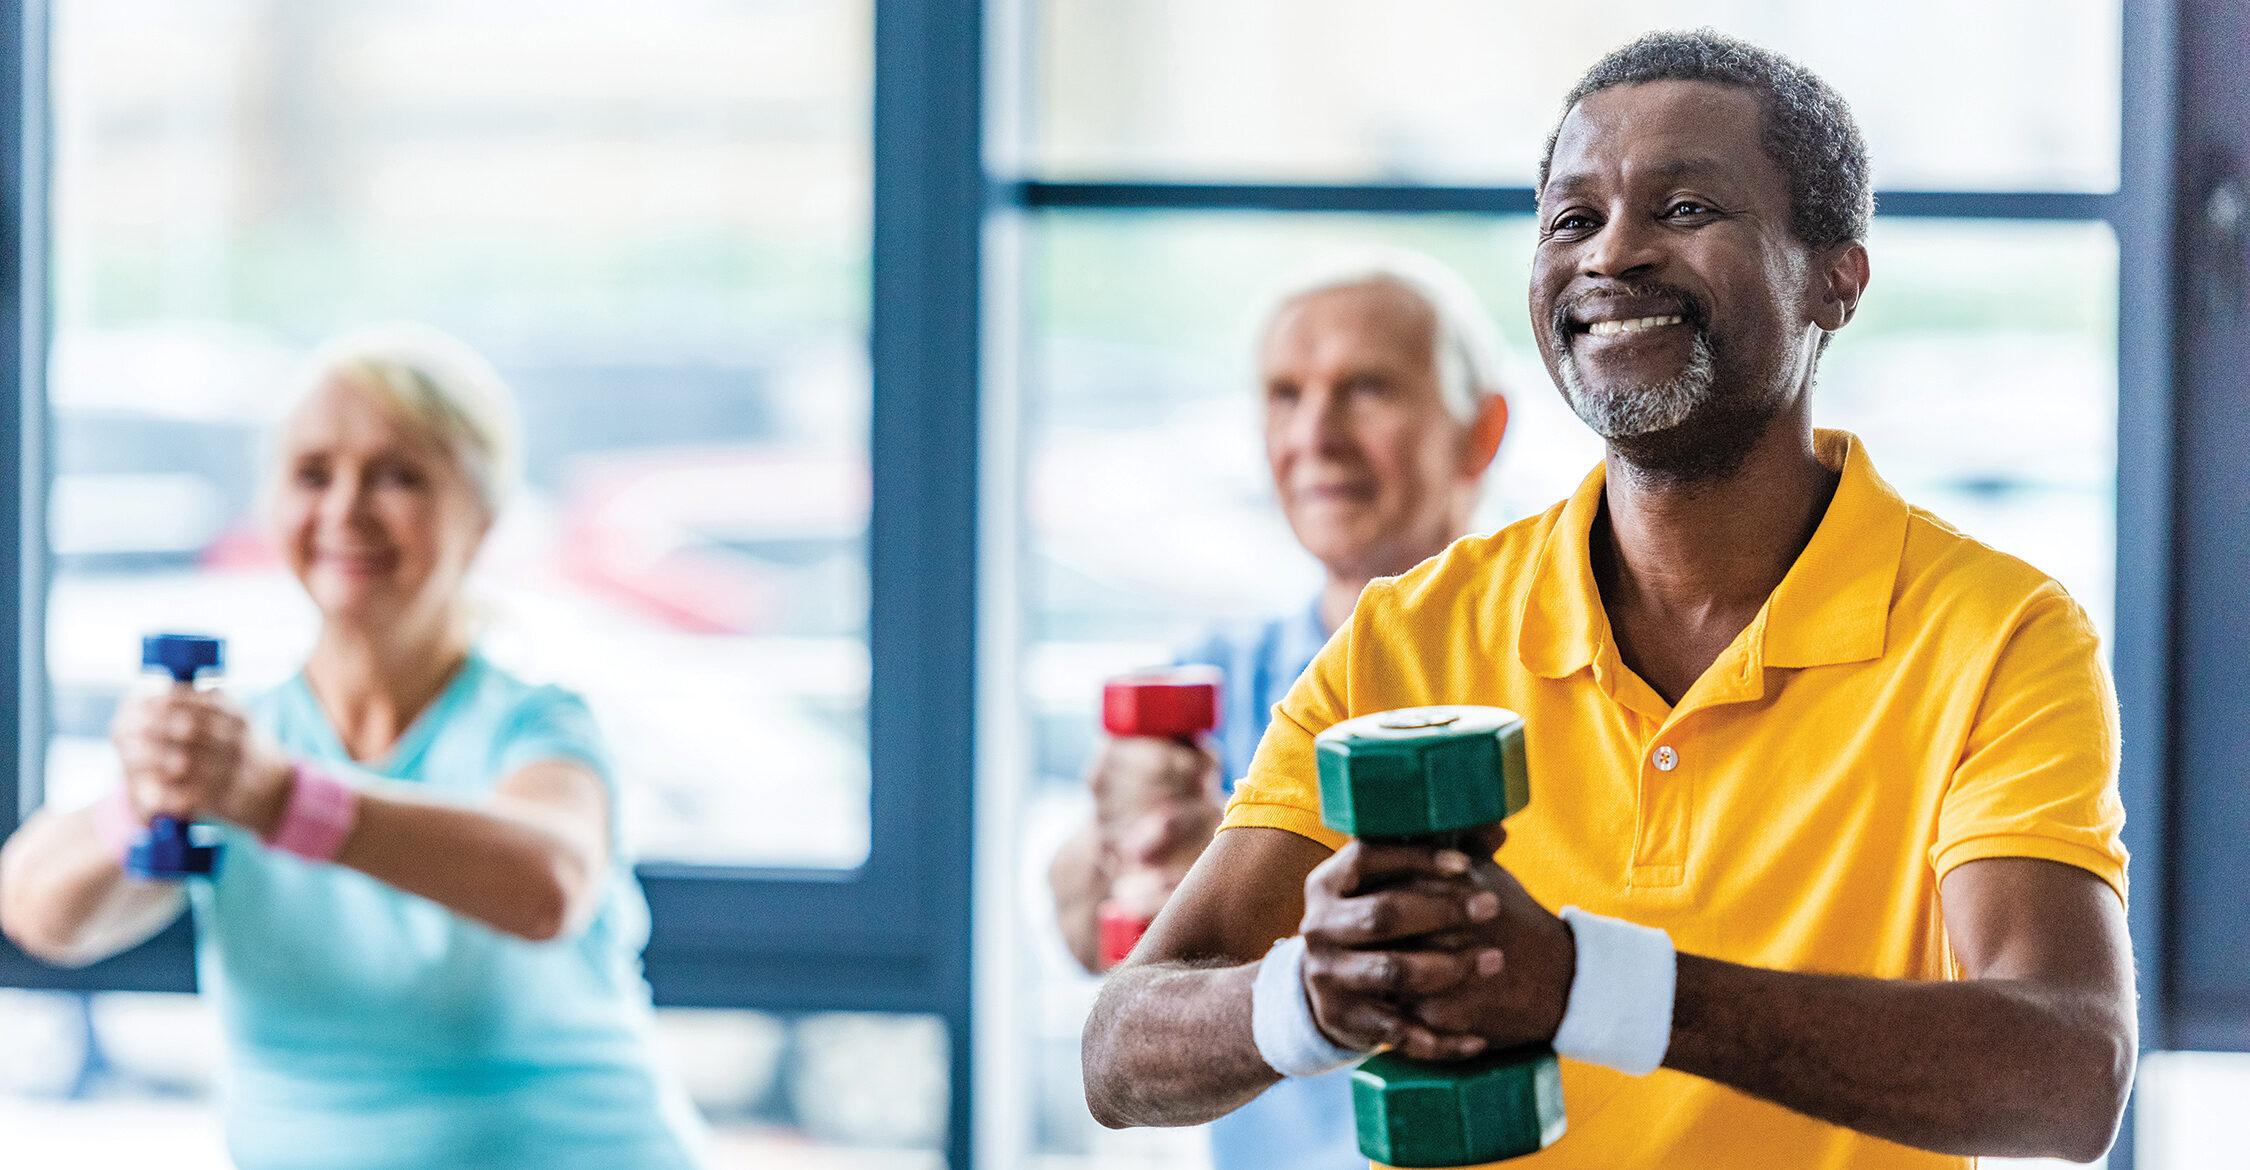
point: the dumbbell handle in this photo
(168, 850)
(1180, 705)
(1438, 777)
(1126, 915)
(1121, 929)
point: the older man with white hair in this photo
(1380, 378)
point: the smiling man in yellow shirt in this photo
(1827, 788)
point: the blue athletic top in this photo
(370, 1029)
(1303, 1123)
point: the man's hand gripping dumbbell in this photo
(1422, 791)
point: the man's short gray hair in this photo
(1469, 352)
(1809, 131)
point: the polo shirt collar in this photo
(1833, 606)
(1563, 625)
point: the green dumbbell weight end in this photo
(1434, 775)
(1412, 1113)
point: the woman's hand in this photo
(193, 755)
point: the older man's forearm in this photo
(1998, 1068)
(1170, 1044)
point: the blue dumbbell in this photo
(168, 851)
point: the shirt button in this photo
(1665, 759)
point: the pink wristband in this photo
(319, 815)
(117, 823)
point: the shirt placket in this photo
(1663, 810)
(1678, 751)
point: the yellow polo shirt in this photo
(1907, 700)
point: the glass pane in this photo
(1462, 91)
(585, 192)
(1980, 373)
(122, 1081)
(2191, 1108)
(835, 1090)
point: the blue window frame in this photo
(2194, 916)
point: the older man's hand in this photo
(1168, 837)
(1131, 776)
(1156, 805)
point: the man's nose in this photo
(1323, 423)
(1626, 248)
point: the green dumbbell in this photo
(1433, 776)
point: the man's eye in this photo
(1686, 207)
(1573, 221)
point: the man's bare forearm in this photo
(1994, 1067)
(1170, 1044)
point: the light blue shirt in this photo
(1304, 1123)
(370, 1029)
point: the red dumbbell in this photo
(1180, 704)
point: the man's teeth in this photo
(1611, 328)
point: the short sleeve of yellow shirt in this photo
(1907, 701)
(2037, 778)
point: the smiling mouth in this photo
(356, 561)
(1635, 325)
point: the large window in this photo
(1464, 91)
(595, 198)
(669, 225)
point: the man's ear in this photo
(1484, 435)
(1843, 280)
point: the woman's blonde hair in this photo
(438, 383)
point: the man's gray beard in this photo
(1642, 410)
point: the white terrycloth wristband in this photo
(1620, 1010)
(1281, 1017)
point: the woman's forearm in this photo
(65, 897)
(516, 870)
(1170, 1044)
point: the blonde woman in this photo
(424, 941)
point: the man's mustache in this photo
(1693, 312)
